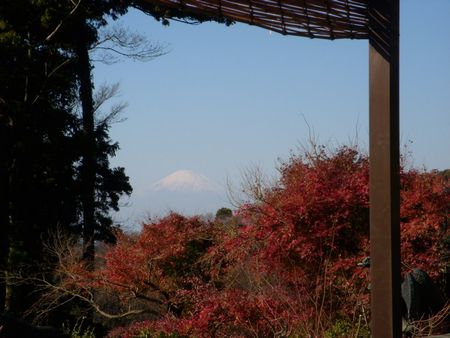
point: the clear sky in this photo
(226, 98)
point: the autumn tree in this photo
(288, 268)
(141, 274)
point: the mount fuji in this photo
(186, 181)
(183, 191)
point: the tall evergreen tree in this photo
(82, 43)
(43, 140)
(37, 122)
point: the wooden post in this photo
(384, 169)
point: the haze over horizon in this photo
(183, 191)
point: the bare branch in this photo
(117, 42)
(105, 93)
(62, 280)
(58, 27)
(52, 72)
(252, 189)
(101, 96)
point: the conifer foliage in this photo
(43, 142)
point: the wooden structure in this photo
(378, 22)
(328, 19)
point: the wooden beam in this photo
(384, 169)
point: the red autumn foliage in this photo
(301, 243)
(425, 219)
(152, 257)
(289, 267)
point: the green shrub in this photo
(345, 329)
(79, 330)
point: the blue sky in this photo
(226, 98)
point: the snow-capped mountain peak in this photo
(186, 180)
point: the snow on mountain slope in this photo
(186, 181)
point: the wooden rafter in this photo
(325, 19)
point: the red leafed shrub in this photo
(305, 237)
(425, 220)
(285, 265)
(160, 254)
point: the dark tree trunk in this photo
(88, 162)
(4, 203)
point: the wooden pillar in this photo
(384, 168)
